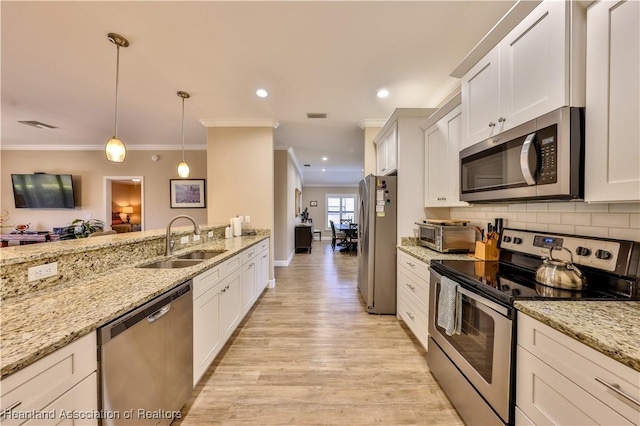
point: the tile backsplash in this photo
(619, 221)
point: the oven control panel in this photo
(596, 253)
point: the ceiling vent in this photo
(307, 165)
(38, 124)
(316, 115)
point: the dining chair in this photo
(333, 236)
(345, 221)
(353, 238)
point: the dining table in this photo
(348, 229)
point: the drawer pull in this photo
(10, 409)
(616, 389)
(409, 314)
(411, 286)
(413, 265)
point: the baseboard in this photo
(284, 262)
(271, 283)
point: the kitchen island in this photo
(35, 324)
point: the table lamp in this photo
(127, 210)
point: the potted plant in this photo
(83, 228)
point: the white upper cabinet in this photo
(442, 164)
(481, 99)
(612, 128)
(526, 75)
(387, 153)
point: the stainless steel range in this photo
(475, 364)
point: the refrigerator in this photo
(377, 229)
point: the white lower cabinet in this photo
(206, 311)
(413, 295)
(59, 386)
(560, 381)
(230, 305)
(221, 298)
(263, 269)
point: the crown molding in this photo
(191, 147)
(368, 122)
(240, 123)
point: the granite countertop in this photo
(37, 324)
(608, 327)
(427, 255)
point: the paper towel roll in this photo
(227, 232)
(237, 227)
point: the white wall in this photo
(286, 181)
(618, 221)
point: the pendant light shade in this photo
(115, 149)
(183, 167)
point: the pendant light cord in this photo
(117, 75)
(183, 130)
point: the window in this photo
(340, 207)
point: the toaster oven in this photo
(447, 238)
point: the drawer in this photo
(231, 265)
(582, 365)
(414, 316)
(249, 254)
(418, 288)
(546, 397)
(414, 265)
(206, 280)
(263, 245)
(39, 384)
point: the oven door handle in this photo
(477, 298)
(481, 300)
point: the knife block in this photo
(487, 250)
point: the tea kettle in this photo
(560, 274)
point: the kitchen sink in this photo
(172, 263)
(201, 254)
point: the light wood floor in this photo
(308, 354)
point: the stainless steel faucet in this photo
(170, 242)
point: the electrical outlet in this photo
(196, 238)
(247, 219)
(184, 240)
(210, 234)
(42, 271)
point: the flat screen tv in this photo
(43, 191)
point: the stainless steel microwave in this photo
(542, 159)
(447, 238)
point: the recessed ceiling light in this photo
(261, 93)
(324, 158)
(324, 170)
(382, 93)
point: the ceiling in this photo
(58, 67)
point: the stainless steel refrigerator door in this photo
(365, 244)
(377, 244)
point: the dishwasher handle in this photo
(159, 313)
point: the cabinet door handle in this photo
(492, 124)
(10, 409)
(616, 388)
(410, 286)
(409, 314)
(501, 120)
(223, 290)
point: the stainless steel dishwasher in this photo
(146, 361)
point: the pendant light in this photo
(115, 149)
(183, 167)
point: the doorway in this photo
(124, 203)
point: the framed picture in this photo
(313, 204)
(187, 193)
